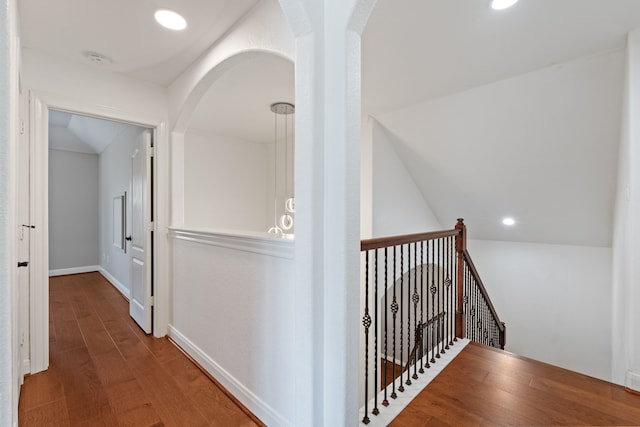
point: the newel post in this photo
(461, 246)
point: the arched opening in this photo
(238, 155)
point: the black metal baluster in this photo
(394, 311)
(467, 301)
(427, 331)
(408, 381)
(475, 307)
(439, 297)
(452, 269)
(366, 322)
(416, 300)
(385, 401)
(445, 297)
(376, 322)
(472, 325)
(433, 290)
(454, 304)
(401, 387)
(447, 287)
(421, 306)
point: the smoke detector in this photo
(97, 58)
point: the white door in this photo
(141, 301)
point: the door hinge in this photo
(151, 226)
(151, 301)
(151, 151)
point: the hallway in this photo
(104, 371)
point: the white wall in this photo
(115, 177)
(228, 184)
(398, 205)
(233, 310)
(554, 299)
(89, 84)
(626, 237)
(73, 209)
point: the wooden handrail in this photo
(382, 242)
(483, 290)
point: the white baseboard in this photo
(74, 270)
(115, 282)
(632, 381)
(256, 405)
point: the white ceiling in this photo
(126, 32)
(414, 52)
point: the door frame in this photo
(40, 104)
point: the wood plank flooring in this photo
(488, 387)
(104, 371)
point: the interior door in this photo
(141, 300)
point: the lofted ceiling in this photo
(419, 58)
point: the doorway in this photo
(41, 112)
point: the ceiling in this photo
(125, 32)
(414, 53)
(84, 134)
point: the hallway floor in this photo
(104, 371)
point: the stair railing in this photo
(421, 293)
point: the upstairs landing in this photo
(487, 387)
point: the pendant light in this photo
(285, 225)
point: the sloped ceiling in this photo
(83, 134)
(541, 148)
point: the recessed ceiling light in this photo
(509, 221)
(502, 4)
(170, 20)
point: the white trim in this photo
(261, 244)
(74, 270)
(39, 239)
(387, 414)
(257, 406)
(115, 282)
(632, 381)
(26, 367)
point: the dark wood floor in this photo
(487, 387)
(104, 371)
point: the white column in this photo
(626, 240)
(327, 207)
